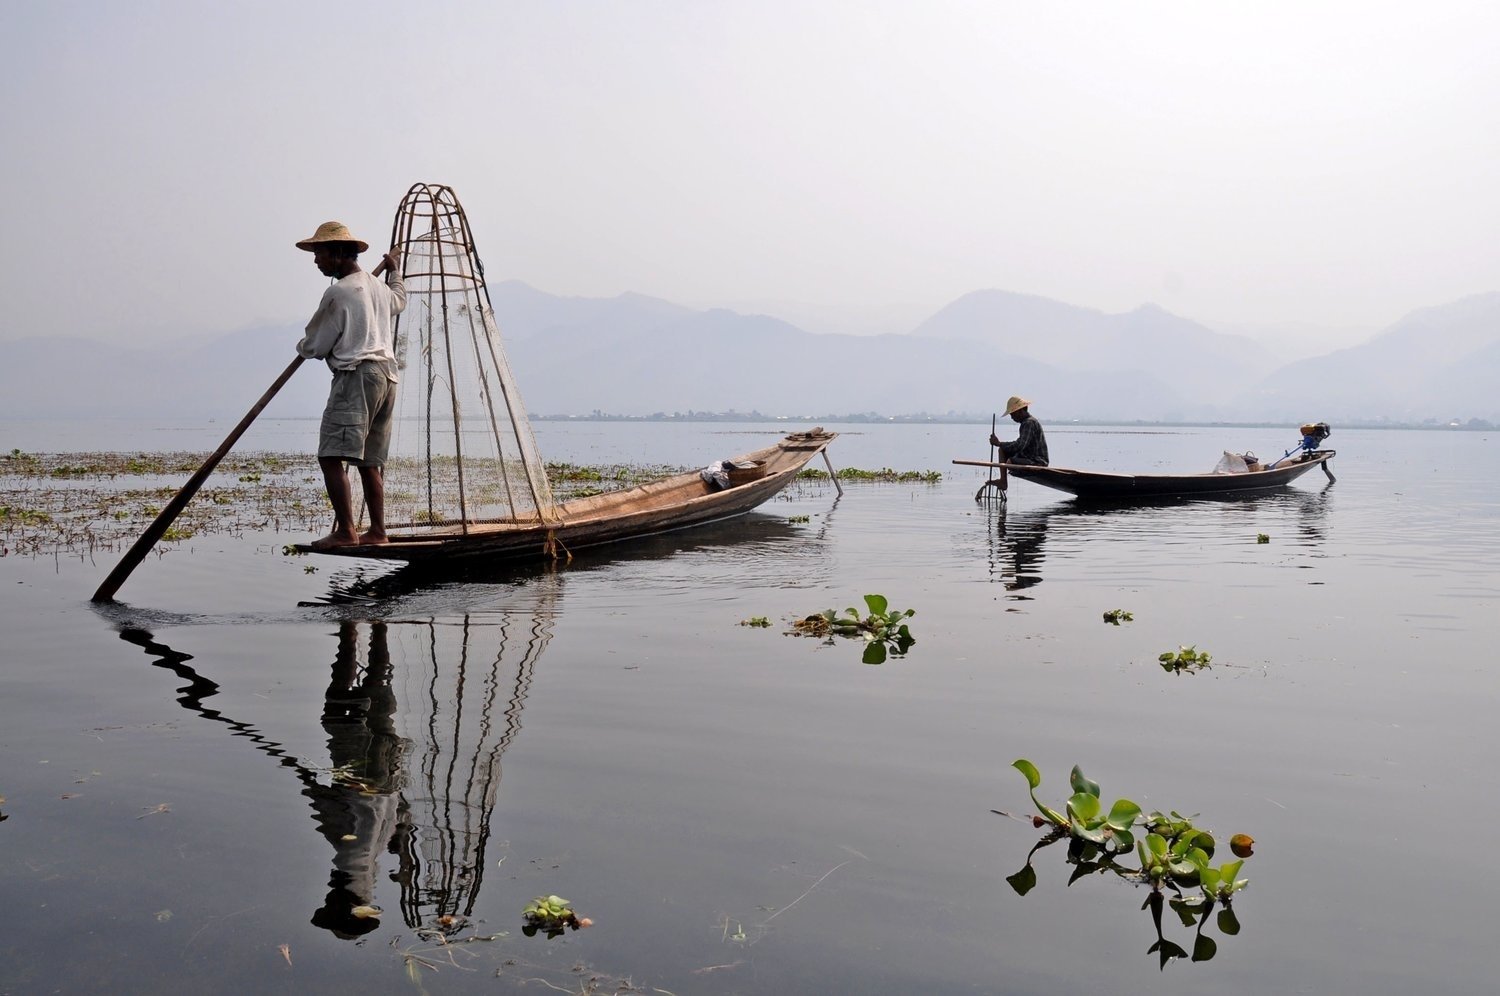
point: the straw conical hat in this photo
(1015, 404)
(332, 231)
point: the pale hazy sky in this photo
(1331, 163)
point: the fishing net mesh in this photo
(462, 449)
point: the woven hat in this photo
(1015, 404)
(332, 231)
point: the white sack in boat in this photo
(1232, 463)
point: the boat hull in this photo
(1125, 487)
(679, 502)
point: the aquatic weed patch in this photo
(1185, 660)
(570, 478)
(551, 915)
(1173, 854)
(883, 629)
(85, 503)
(98, 502)
(885, 475)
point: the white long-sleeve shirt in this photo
(355, 322)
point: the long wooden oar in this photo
(158, 528)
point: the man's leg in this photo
(372, 479)
(380, 401)
(336, 479)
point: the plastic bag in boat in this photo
(1232, 463)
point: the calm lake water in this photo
(742, 811)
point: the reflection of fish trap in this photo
(463, 686)
(462, 449)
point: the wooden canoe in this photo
(619, 516)
(1116, 487)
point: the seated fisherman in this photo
(1031, 447)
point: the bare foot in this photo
(374, 537)
(334, 540)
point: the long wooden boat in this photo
(1088, 484)
(661, 506)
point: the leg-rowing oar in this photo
(988, 486)
(991, 482)
(158, 528)
(154, 532)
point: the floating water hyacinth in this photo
(552, 914)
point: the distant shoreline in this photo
(861, 418)
(873, 418)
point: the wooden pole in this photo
(155, 531)
(837, 487)
(158, 528)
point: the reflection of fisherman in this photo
(358, 812)
(1023, 535)
(1031, 447)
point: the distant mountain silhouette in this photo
(637, 355)
(213, 378)
(719, 360)
(1436, 363)
(1147, 339)
(522, 311)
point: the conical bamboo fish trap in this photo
(462, 449)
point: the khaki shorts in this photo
(357, 421)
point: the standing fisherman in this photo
(353, 329)
(1031, 447)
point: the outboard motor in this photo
(1313, 434)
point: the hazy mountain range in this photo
(636, 355)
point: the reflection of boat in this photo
(1066, 534)
(674, 503)
(444, 586)
(1119, 487)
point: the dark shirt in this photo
(1030, 448)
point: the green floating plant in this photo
(1086, 818)
(1262, 538)
(1174, 855)
(883, 629)
(1185, 659)
(1173, 851)
(759, 622)
(551, 914)
(1220, 883)
(1116, 616)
